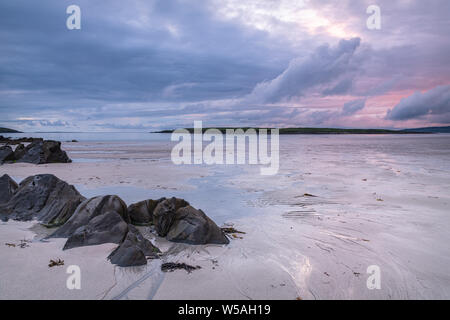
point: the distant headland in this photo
(333, 130)
(7, 130)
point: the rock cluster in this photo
(8, 140)
(38, 151)
(177, 220)
(105, 219)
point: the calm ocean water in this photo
(93, 136)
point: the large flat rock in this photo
(89, 209)
(43, 197)
(105, 228)
(193, 226)
(7, 188)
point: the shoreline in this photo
(322, 131)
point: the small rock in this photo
(134, 250)
(6, 154)
(19, 151)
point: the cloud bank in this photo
(432, 103)
(323, 66)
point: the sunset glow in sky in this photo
(147, 65)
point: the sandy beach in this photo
(338, 205)
(225, 150)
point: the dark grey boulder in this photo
(164, 214)
(7, 188)
(89, 209)
(6, 154)
(176, 220)
(19, 151)
(134, 250)
(105, 228)
(141, 213)
(44, 151)
(43, 197)
(193, 226)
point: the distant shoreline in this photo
(425, 130)
(317, 131)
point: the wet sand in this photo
(377, 201)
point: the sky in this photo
(162, 64)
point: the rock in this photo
(176, 220)
(89, 209)
(43, 197)
(164, 214)
(105, 228)
(193, 226)
(19, 151)
(7, 188)
(6, 154)
(44, 151)
(141, 213)
(134, 250)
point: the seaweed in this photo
(172, 266)
(231, 230)
(24, 244)
(309, 195)
(54, 263)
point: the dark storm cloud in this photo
(113, 58)
(433, 103)
(323, 66)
